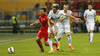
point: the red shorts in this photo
(43, 34)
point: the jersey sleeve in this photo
(60, 13)
(85, 13)
(49, 15)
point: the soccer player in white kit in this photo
(64, 25)
(90, 18)
(53, 16)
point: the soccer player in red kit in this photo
(43, 30)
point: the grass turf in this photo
(25, 45)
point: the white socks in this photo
(50, 43)
(91, 37)
(55, 38)
(69, 39)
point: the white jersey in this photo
(65, 22)
(90, 15)
(54, 16)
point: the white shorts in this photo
(90, 26)
(53, 28)
(61, 30)
(57, 24)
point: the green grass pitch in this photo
(25, 45)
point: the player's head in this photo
(55, 7)
(65, 7)
(90, 6)
(43, 11)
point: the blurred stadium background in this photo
(27, 12)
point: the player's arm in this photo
(62, 18)
(54, 26)
(77, 19)
(49, 19)
(85, 16)
(37, 22)
(95, 17)
(49, 25)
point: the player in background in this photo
(64, 25)
(53, 16)
(43, 32)
(90, 18)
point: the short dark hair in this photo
(44, 9)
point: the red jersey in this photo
(43, 32)
(43, 20)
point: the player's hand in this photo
(51, 29)
(67, 15)
(95, 21)
(56, 30)
(86, 20)
(31, 25)
(77, 19)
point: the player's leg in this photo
(54, 35)
(88, 29)
(59, 35)
(91, 36)
(46, 42)
(67, 31)
(70, 40)
(55, 38)
(50, 43)
(38, 40)
(91, 32)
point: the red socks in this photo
(40, 45)
(54, 44)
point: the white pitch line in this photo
(6, 40)
(16, 41)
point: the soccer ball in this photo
(11, 50)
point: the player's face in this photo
(42, 12)
(54, 10)
(65, 8)
(89, 6)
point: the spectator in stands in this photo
(83, 4)
(98, 23)
(48, 5)
(98, 5)
(75, 3)
(16, 27)
(94, 5)
(36, 7)
(57, 1)
(7, 18)
(15, 23)
(89, 1)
